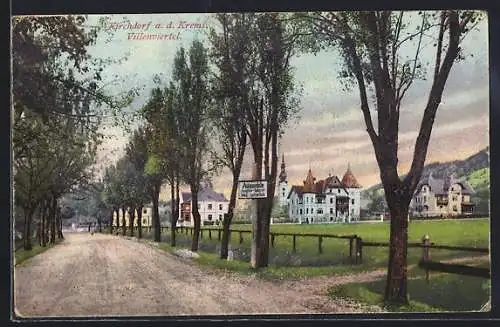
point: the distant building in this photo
(435, 197)
(211, 205)
(328, 200)
(283, 189)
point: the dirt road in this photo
(104, 275)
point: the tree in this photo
(371, 45)
(272, 103)
(56, 97)
(232, 56)
(137, 154)
(155, 164)
(190, 79)
(172, 153)
(111, 195)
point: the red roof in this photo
(349, 180)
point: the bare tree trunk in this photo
(124, 221)
(227, 220)
(117, 210)
(256, 251)
(174, 186)
(139, 221)
(28, 215)
(156, 214)
(43, 221)
(268, 203)
(131, 213)
(59, 225)
(196, 218)
(53, 220)
(397, 285)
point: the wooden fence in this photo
(212, 233)
(426, 263)
(356, 245)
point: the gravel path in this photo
(104, 275)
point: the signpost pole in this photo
(253, 190)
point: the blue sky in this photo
(330, 130)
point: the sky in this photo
(329, 132)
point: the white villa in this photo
(211, 205)
(329, 200)
(445, 197)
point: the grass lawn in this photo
(470, 233)
(443, 292)
(22, 255)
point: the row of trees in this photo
(205, 118)
(57, 106)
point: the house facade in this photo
(325, 201)
(211, 205)
(442, 197)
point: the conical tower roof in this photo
(349, 180)
(309, 182)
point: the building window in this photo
(312, 210)
(463, 198)
(209, 217)
(220, 206)
(283, 194)
(425, 198)
(454, 198)
(220, 217)
(209, 206)
(331, 200)
(319, 211)
(144, 221)
(455, 208)
(307, 210)
(338, 190)
(352, 201)
(300, 211)
(331, 210)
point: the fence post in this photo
(351, 240)
(426, 255)
(320, 244)
(359, 250)
(294, 243)
(241, 237)
(210, 234)
(272, 240)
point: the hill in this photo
(460, 168)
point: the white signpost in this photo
(254, 189)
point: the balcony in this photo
(442, 202)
